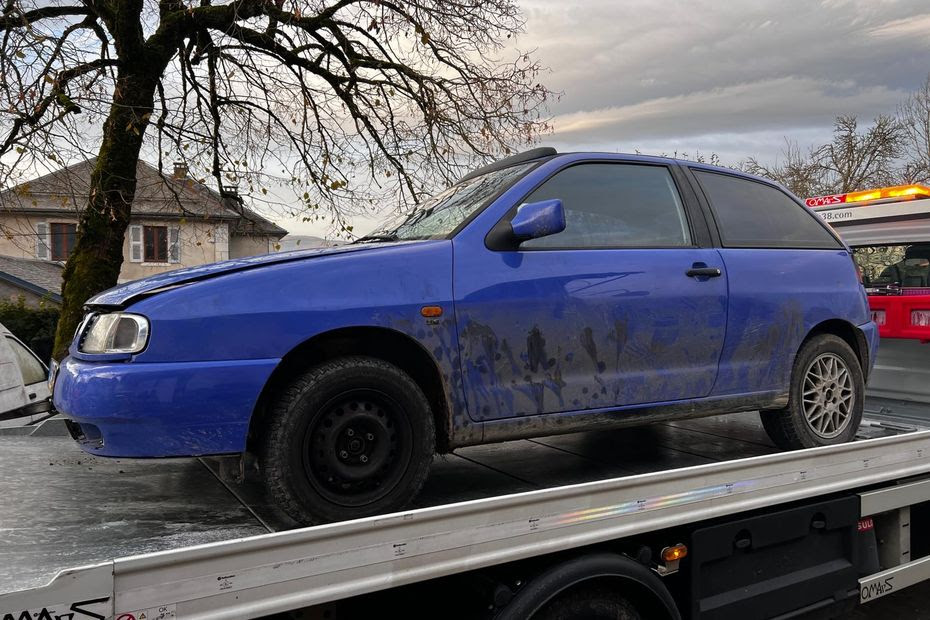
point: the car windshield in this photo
(904, 266)
(439, 216)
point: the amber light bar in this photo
(903, 192)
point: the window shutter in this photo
(135, 244)
(42, 247)
(174, 245)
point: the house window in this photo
(155, 244)
(62, 240)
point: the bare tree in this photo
(348, 101)
(914, 116)
(796, 170)
(854, 160)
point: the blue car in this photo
(546, 293)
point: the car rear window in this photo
(902, 265)
(753, 214)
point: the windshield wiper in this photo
(377, 237)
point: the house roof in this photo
(157, 194)
(38, 276)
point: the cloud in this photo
(632, 73)
(917, 26)
(735, 78)
(782, 103)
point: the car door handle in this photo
(707, 272)
(32, 396)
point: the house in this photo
(38, 282)
(176, 221)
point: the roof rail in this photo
(519, 158)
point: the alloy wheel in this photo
(828, 396)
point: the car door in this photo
(33, 372)
(603, 314)
(12, 395)
(787, 273)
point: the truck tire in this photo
(350, 438)
(826, 397)
(596, 601)
(596, 586)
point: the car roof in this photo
(547, 153)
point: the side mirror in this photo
(538, 219)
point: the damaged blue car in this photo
(546, 293)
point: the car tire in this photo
(350, 438)
(597, 601)
(826, 397)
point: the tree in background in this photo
(856, 160)
(914, 114)
(852, 160)
(345, 100)
(796, 170)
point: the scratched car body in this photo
(547, 293)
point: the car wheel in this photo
(826, 398)
(350, 438)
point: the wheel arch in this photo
(846, 331)
(640, 585)
(383, 343)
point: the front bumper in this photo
(159, 410)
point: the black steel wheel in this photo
(357, 448)
(350, 438)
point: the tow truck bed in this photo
(63, 509)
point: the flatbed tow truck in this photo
(698, 519)
(767, 534)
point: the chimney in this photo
(180, 170)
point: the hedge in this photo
(34, 326)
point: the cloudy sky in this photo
(735, 77)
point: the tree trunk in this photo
(95, 264)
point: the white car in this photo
(24, 392)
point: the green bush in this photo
(34, 326)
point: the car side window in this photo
(614, 205)
(754, 214)
(32, 369)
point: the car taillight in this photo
(878, 316)
(920, 318)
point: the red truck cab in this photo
(888, 230)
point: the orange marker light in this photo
(431, 311)
(674, 553)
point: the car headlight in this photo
(116, 332)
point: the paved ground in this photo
(64, 508)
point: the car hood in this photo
(124, 294)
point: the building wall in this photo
(198, 247)
(240, 246)
(199, 243)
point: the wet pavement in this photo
(64, 508)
